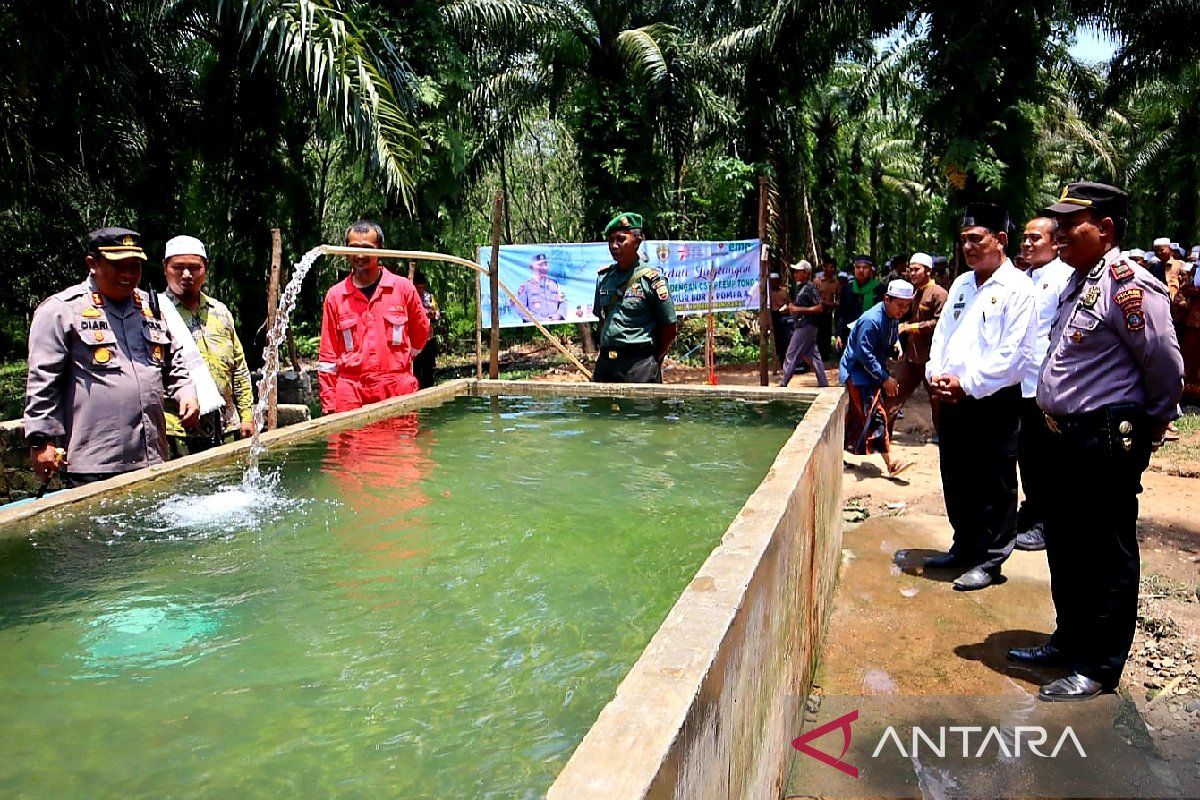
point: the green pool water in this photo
(436, 605)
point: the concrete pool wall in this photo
(711, 706)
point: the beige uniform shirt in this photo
(98, 372)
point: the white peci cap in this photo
(1162, 241)
(901, 290)
(185, 246)
(1136, 253)
(924, 259)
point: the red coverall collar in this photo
(388, 281)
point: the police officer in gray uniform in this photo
(100, 362)
(1109, 386)
(541, 295)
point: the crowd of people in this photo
(1063, 365)
(121, 378)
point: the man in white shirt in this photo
(981, 350)
(1050, 276)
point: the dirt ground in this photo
(1163, 674)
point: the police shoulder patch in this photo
(1121, 271)
(1130, 302)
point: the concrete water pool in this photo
(492, 589)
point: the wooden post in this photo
(764, 293)
(494, 284)
(478, 328)
(272, 310)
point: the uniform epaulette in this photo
(1121, 271)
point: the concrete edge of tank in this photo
(711, 706)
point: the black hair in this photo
(418, 277)
(365, 226)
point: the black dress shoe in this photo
(1046, 655)
(1071, 688)
(974, 578)
(1032, 539)
(943, 561)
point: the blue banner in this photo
(557, 282)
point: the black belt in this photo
(1088, 422)
(1120, 427)
(628, 351)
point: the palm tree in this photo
(604, 67)
(196, 113)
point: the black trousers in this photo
(626, 369)
(825, 335)
(424, 363)
(1036, 479)
(1092, 548)
(978, 443)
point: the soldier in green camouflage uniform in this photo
(637, 318)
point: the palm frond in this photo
(313, 42)
(643, 57)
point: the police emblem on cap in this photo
(624, 220)
(128, 241)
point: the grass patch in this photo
(1187, 447)
(12, 390)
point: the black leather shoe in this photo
(1069, 689)
(943, 561)
(974, 578)
(1046, 655)
(1032, 539)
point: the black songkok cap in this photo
(986, 215)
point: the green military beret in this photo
(625, 221)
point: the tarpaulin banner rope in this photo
(557, 282)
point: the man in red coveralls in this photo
(373, 326)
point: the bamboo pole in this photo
(426, 255)
(764, 303)
(272, 311)
(494, 287)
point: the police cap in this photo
(116, 244)
(1104, 200)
